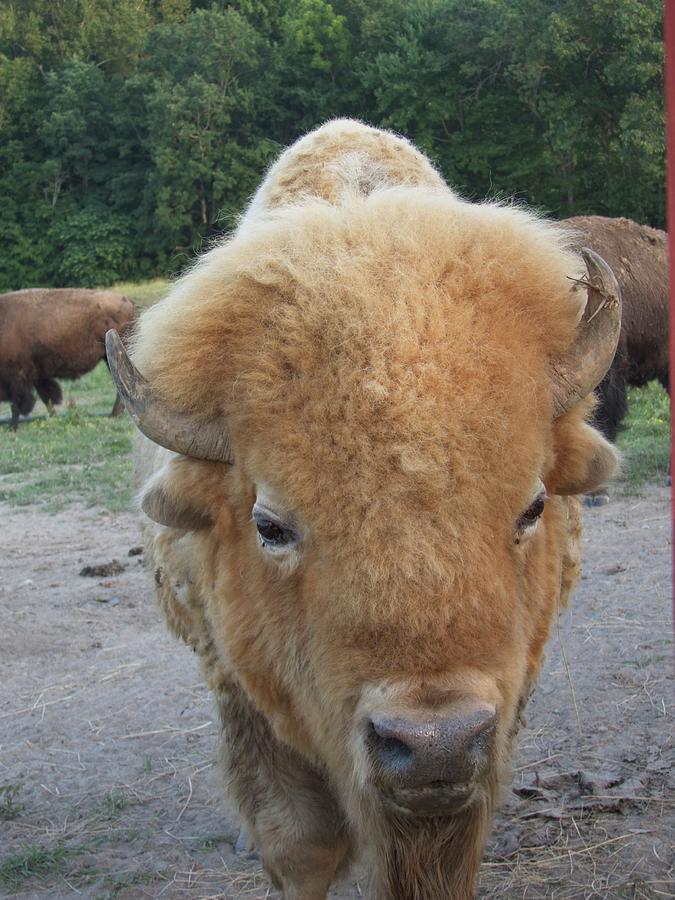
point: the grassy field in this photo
(79, 454)
(146, 293)
(645, 440)
(82, 455)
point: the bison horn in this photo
(587, 361)
(167, 427)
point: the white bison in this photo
(373, 400)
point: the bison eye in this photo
(272, 535)
(529, 519)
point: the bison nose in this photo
(450, 747)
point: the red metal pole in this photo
(670, 167)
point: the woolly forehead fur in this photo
(380, 362)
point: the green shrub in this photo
(94, 248)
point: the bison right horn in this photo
(167, 427)
(587, 361)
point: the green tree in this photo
(199, 84)
(591, 75)
(131, 131)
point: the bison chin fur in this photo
(427, 858)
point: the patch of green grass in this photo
(213, 842)
(30, 861)
(645, 440)
(113, 803)
(78, 455)
(145, 293)
(9, 808)
(119, 882)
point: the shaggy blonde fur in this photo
(378, 349)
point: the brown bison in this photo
(54, 333)
(373, 403)
(638, 256)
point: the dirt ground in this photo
(107, 785)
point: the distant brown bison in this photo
(47, 334)
(638, 256)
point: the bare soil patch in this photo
(107, 734)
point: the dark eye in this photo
(273, 536)
(532, 514)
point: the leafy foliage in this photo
(92, 246)
(133, 131)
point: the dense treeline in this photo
(133, 130)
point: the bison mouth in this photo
(437, 799)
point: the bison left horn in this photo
(587, 361)
(167, 427)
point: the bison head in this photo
(378, 415)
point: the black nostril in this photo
(391, 752)
(394, 747)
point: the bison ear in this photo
(585, 460)
(161, 507)
(175, 497)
